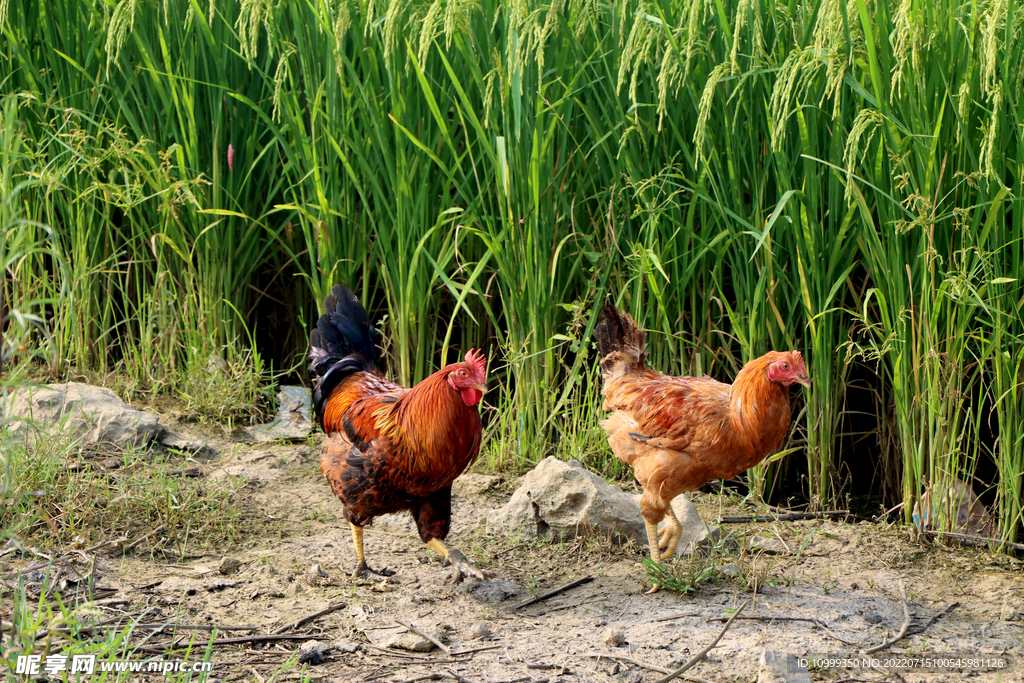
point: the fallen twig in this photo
(555, 591)
(700, 655)
(784, 517)
(975, 541)
(475, 649)
(675, 616)
(938, 616)
(903, 628)
(265, 638)
(68, 556)
(424, 634)
(295, 624)
(629, 660)
(140, 540)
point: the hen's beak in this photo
(482, 388)
(805, 380)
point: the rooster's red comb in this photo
(477, 361)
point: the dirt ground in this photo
(836, 584)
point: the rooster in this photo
(678, 433)
(390, 448)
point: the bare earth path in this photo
(843, 580)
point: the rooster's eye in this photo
(462, 373)
(785, 366)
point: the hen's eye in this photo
(785, 366)
(462, 373)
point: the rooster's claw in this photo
(462, 568)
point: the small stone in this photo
(479, 630)
(769, 545)
(228, 565)
(346, 646)
(613, 637)
(599, 622)
(729, 570)
(409, 641)
(872, 618)
(315, 577)
(294, 589)
(313, 651)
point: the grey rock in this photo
(406, 641)
(495, 590)
(776, 666)
(346, 646)
(93, 415)
(294, 419)
(729, 570)
(562, 500)
(315, 576)
(613, 637)
(228, 565)
(473, 484)
(185, 445)
(769, 545)
(479, 630)
(313, 651)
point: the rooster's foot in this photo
(462, 568)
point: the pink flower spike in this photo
(231, 157)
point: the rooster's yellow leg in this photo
(668, 537)
(362, 569)
(461, 566)
(652, 543)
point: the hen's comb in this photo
(477, 361)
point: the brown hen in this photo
(678, 433)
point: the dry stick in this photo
(475, 649)
(903, 629)
(245, 639)
(700, 655)
(555, 591)
(976, 541)
(63, 558)
(428, 677)
(621, 658)
(435, 641)
(675, 616)
(326, 610)
(140, 540)
(785, 517)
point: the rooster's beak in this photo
(806, 381)
(482, 388)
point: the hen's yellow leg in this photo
(652, 543)
(362, 569)
(461, 566)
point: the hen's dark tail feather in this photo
(343, 343)
(619, 340)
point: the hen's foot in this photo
(363, 571)
(669, 535)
